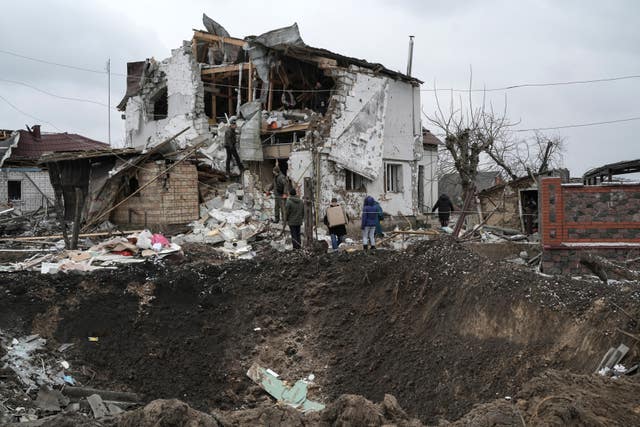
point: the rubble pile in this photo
(342, 323)
(134, 248)
(14, 222)
(232, 220)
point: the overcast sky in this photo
(505, 42)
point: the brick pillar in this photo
(551, 211)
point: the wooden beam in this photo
(214, 102)
(288, 128)
(59, 236)
(224, 69)
(270, 98)
(250, 83)
(194, 49)
(200, 35)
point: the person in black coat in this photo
(445, 207)
(230, 137)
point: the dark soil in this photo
(438, 326)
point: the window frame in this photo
(350, 180)
(393, 178)
(19, 182)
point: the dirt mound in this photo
(437, 326)
(161, 413)
(354, 410)
(560, 399)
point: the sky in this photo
(504, 43)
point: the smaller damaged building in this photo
(351, 126)
(24, 183)
(602, 219)
(514, 204)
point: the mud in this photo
(439, 327)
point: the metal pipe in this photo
(410, 60)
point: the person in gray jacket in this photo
(294, 213)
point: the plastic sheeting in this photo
(250, 144)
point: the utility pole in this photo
(109, 100)
(308, 213)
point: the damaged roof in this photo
(288, 41)
(135, 72)
(31, 148)
(619, 168)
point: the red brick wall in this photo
(171, 199)
(589, 216)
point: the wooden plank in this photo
(270, 98)
(250, 83)
(200, 35)
(194, 49)
(59, 236)
(224, 69)
(289, 128)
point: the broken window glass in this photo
(354, 182)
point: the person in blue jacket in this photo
(368, 225)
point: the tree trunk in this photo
(599, 266)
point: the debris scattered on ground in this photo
(342, 316)
(134, 248)
(295, 396)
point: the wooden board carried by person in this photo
(336, 216)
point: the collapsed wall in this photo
(170, 98)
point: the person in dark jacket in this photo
(294, 213)
(279, 186)
(368, 224)
(445, 207)
(337, 232)
(230, 146)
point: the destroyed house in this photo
(351, 126)
(24, 183)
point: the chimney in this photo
(35, 131)
(410, 60)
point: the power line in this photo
(523, 85)
(43, 61)
(38, 120)
(53, 94)
(515, 86)
(579, 125)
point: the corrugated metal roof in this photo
(30, 148)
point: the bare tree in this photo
(469, 131)
(529, 156)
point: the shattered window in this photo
(14, 190)
(160, 105)
(393, 175)
(354, 182)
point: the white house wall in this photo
(399, 123)
(357, 128)
(430, 163)
(32, 199)
(372, 122)
(185, 97)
